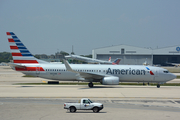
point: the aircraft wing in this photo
(89, 60)
(83, 75)
(90, 75)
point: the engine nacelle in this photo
(110, 80)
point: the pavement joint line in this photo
(101, 97)
(175, 102)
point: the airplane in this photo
(116, 62)
(174, 64)
(91, 60)
(109, 59)
(145, 63)
(26, 63)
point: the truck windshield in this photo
(90, 101)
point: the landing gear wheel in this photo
(90, 84)
(95, 109)
(72, 109)
(158, 85)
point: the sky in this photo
(48, 26)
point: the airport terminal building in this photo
(131, 55)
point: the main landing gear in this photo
(158, 85)
(90, 84)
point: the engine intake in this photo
(110, 81)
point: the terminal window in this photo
(122, 51)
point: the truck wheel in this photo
(95, 109)
(72, 109)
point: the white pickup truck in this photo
(84, 104)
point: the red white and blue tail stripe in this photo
(116, 62)
(19, 52)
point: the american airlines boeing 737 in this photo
(26, 63)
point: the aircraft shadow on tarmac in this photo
(28, 86)
(96, 87)
(118, 87)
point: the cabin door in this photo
(37, 71)
(156, 75)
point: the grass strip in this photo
(28, 76)
(178, 77)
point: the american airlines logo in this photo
(178, 49)
(126, 71)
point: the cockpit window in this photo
(166, 71)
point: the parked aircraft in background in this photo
(174, 64)
(91, 60)
(26, 63)
(109, 59)
(145, 63)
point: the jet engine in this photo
(110, 81)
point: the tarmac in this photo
(26, 102)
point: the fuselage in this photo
(126, 73)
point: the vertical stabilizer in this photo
(19, 51)
(116, 62)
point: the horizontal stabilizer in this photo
(14, 66)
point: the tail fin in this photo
(116, 62)
(19, 52)
(109, 59)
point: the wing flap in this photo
(91, 75)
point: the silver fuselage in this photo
(126, 73)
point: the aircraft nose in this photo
(173, 76)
